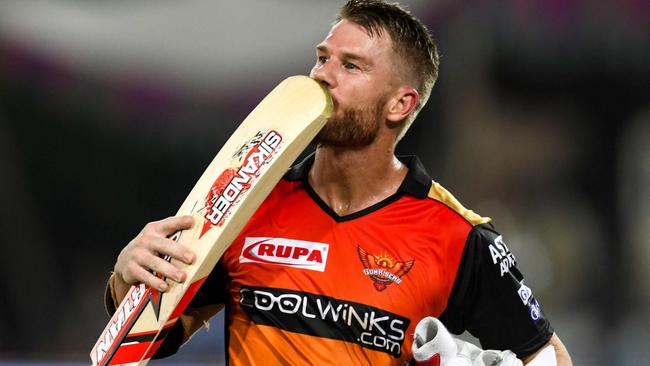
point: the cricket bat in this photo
(233, 186)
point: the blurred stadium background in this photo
(109, 112)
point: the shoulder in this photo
(436, 208)
(439, 194)
(419, 184)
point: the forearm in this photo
(192, 319)
(116, 290)
(119, 288)
(189, 322)
(561, 354)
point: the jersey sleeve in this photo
(210, 297)
(491, 300)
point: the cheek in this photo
(355, 98)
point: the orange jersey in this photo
(306, 286)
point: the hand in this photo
(433, 345)
(142, 255)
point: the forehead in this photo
(351, 37)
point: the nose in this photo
(323, 74)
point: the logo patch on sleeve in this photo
(501, 255)
(285, 252)
(525, 293)
(534, 309)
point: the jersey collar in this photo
(416, 183)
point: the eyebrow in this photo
(346, 55)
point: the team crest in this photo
(383, 269)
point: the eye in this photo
(321, 60)
(351, 66)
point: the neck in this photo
(349, 180)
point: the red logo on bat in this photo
(228, 188)
(383, 269)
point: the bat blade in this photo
(224, 198)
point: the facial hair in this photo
(351, 127)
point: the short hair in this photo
(412, 41)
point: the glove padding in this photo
(433, 345)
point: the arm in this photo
(561, 353)
(491, 300)
(142, 256)
(192, 319)
(434, 345)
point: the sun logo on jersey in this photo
(383, 269)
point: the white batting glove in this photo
(433, 345)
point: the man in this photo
(386, 245)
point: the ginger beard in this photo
(352, 127)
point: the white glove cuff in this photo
(433, 345)
(431, 338)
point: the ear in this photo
(402, 104)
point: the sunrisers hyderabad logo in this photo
(228, 188)
(383, 269)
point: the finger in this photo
(173, 249)
(172, 224)
(166, 269)
(150, 279)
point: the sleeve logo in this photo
(502, 255)
(534, 309)
(383, 269)
(525, 293)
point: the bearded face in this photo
(353, 127)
